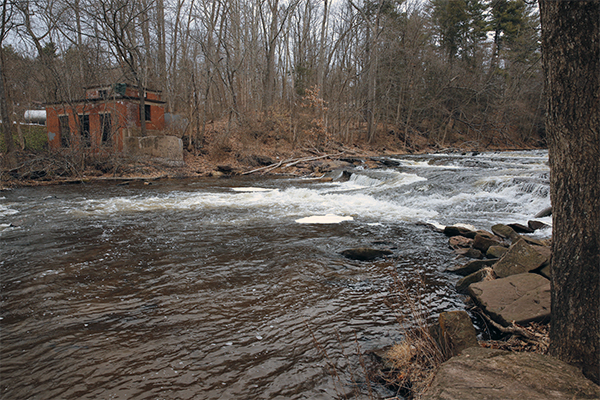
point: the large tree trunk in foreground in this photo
(570, 49)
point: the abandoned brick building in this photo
(104, 119)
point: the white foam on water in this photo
(324, 219)
(6, 211)
(270, 204)
(372, 196)
(466, 226)
(425, 164)
(251, 189)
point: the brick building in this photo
(104, 119)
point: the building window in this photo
(147, 113)
(65, 130)
(84, 130)
(106, 128)
(103, 93)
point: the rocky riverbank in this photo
(507, 279)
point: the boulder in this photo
(544, 213)
(262, 160)
(519, 228)
(520, 298)
(457, 242)
(486, 234)
(521, 257)
(454, 332)
(484, 274)
(506, 232)
(483, 243)
(226, 169)
(365, 253)
(535, 225)
(470, 267)
(338, 175)
(489, 374)
(536, 242)
(459, 231)
(469, 252)
(496, 252)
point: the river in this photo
(215, 289)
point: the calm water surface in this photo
(210, 289)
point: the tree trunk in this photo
(10, 159)
(161, 37)
(269, 85)
(570, 50)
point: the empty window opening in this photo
(106, 127)
(65, 130)
(147, 113)
(84, 130)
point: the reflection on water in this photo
(209, 289)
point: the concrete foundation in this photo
(167, 148)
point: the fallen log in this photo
(290, 162)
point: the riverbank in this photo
(46, 168)
(508, 288)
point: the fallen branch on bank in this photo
(272, 166)
(313, 159)
(512, 329)
(533, 335)
(290, 162)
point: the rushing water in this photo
(211, 289)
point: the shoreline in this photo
(297, 163)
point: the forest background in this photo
(286, 75)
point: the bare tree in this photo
(10, 159)
(122, 22)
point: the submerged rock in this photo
(459, 231)
(520, 298)
(480, 373)
(365, 253)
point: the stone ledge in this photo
(488, 374)
(521, 298)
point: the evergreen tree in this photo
(460, 25)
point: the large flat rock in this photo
(521, 257)
(521, 298)
(488, 374)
